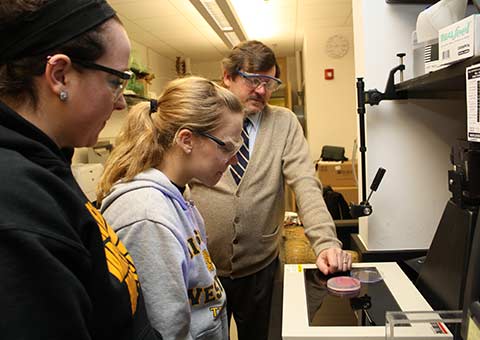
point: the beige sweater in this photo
(244, 223)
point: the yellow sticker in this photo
(299, 267)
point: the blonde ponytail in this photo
(193, 102)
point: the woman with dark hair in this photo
(64, 273)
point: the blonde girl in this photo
(193, 131)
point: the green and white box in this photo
(460, 40)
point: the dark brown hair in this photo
(250, 56)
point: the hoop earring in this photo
(63, 95)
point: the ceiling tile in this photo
(139, 10)
(175, 28)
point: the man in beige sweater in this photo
(244, 212)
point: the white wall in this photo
(411, 139)
(164, 70)
(330, 104)
(211, 70)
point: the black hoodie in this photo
(63, 272)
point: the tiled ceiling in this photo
(174, 27)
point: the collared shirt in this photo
(253, 129)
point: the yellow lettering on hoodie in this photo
(119, 261)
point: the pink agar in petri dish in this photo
(343, 284)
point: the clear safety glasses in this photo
(229, 148)
(118, 84)
(254, 81)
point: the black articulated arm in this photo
(373, 97)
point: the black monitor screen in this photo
(367, 308)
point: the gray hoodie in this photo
(165, 235)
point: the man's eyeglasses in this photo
(229, 148)
(255, 80)
(118, 86)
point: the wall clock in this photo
(337, 46)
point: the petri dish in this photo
(343, 285)
(367, 275)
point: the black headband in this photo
(54, 24)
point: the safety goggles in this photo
(117, 85)
(229, 148)
(255, 80)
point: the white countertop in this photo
(295, 318)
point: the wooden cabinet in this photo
(283, 96)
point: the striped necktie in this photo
(243, 154)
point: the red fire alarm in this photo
(329, 75)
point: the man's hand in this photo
(333, 260)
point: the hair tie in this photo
(153, 106)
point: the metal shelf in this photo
(447, 83)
